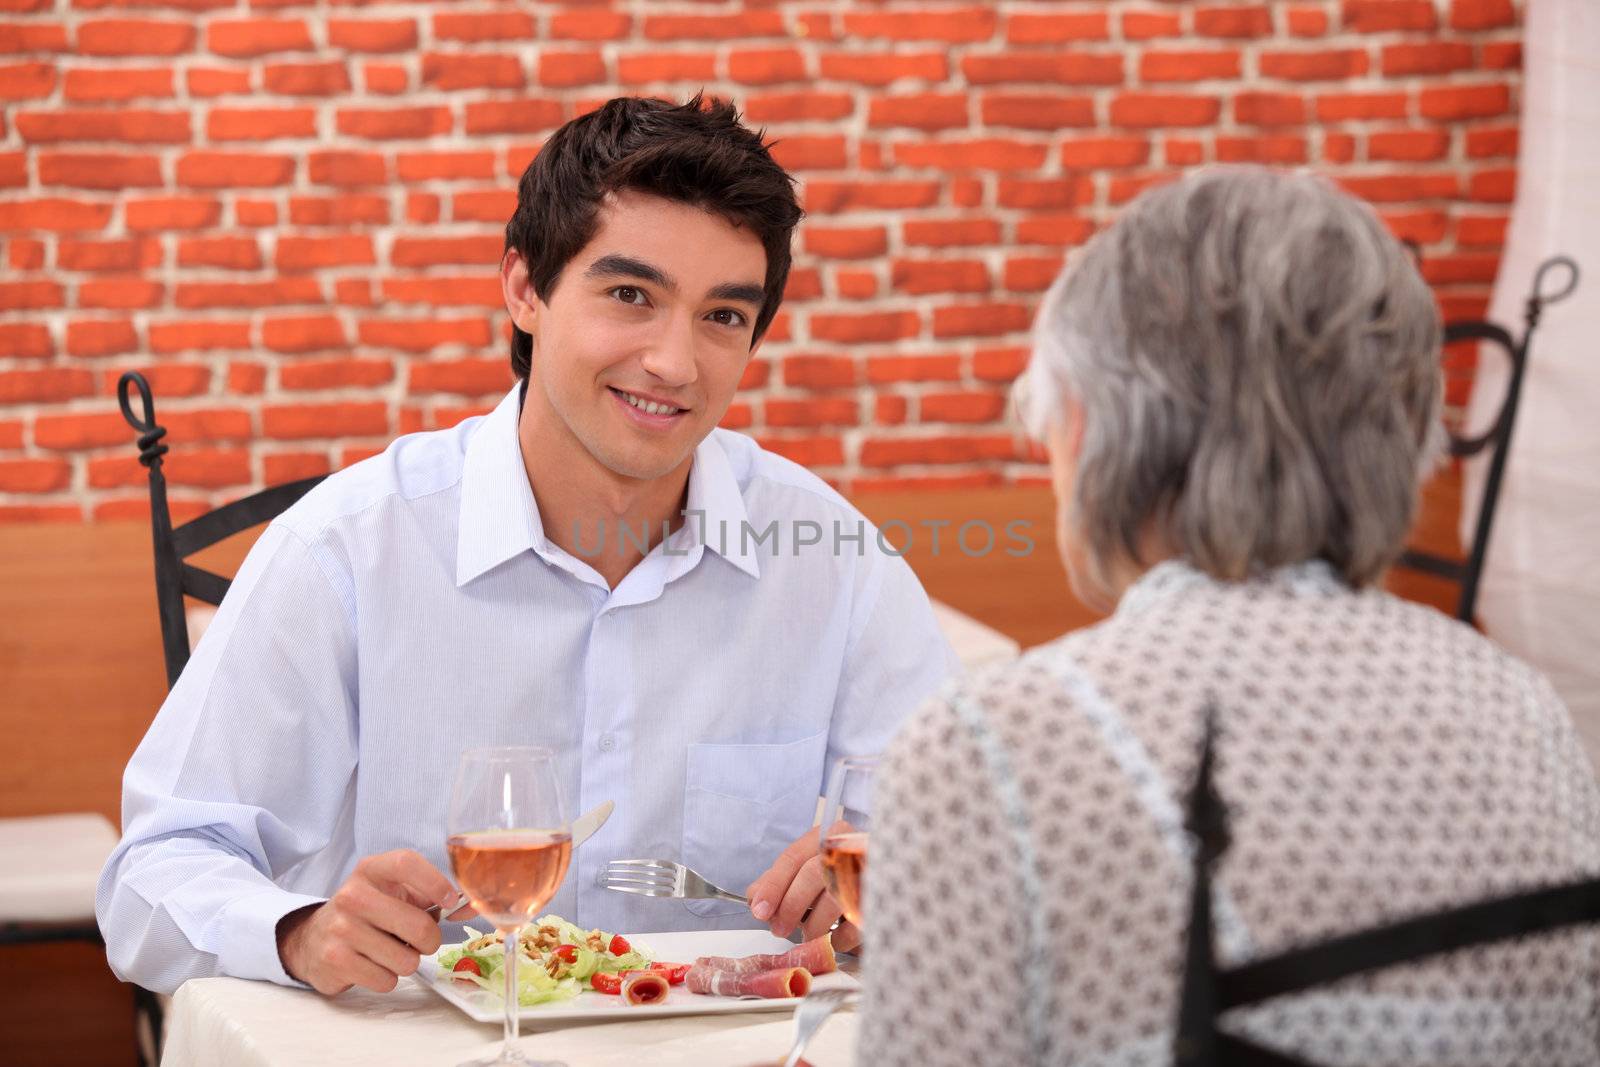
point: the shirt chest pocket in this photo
(744, 804)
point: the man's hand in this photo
(372, 930)
(791, 886)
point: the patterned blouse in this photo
(1030, 872)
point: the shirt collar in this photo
(499, 518)
(1172, 577)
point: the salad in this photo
(556, 961)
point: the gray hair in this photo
(1257, 363)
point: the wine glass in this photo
(843, 835)
(509, 846)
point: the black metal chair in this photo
(176, 578)
(1497, 438)
(1209, 991)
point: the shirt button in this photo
(607, 743)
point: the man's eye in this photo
(629, 295)
(727, 317)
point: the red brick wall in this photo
(288, 214)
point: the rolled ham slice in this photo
(644, 987)
(815, 956)
(767, 985)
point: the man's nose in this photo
(671, 359)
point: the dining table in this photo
(257, 1024)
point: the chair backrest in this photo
(176, 578)
(1497, 438)
(1210, 990)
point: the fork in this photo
(811, 1014)
(662, 878)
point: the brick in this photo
(1424, 227)
(1339, 107)
(980, 320)
(1233, 22)
(383, 124)
(26, 340)
(923, 111)
(135, 37)
(883, 68)
(1276, 148)
(434, 251)
(813, 451)
(1489, 142)
(962, 406)
(101, 337)
(27, 81)
(1461, 268)
(1307, 21)
(25, 253)
(650, 67)
(990, 153)
(306, 421)
(1483, 231)
(597, 25)
(334, 373)
(513, 116)
(1399, 188)
(353, 292)
(373, 35)
(866, 327)
(248, 379)
(1498, 186)
(829, 411)
(1188, 66)
(207, 82)
(1145, 110)
(424, 334)
(99, 170)
(206, 335)
(1054, 229)
(832, 242)
(18, 296)
(1434, 57)
(24, 39)
(1448, 103)
(881, 369)
(135, 126)
(347, 210)
(166, 379)
(1058, 29)
(280, 467)
(13, 170)
(1053, 67)
(436, 290)
(488, 205)
(999, 364)
(388, 79)
(124, 293)
(820, 372)
(45, 386)
(477, 28)
(855, 284)
(1269, 109)
(248, 212)
(1065, 192)
(1408, 145)
(34, 513)
(260, 124)
(93, 86)
(124, 255)
(894, 452)
(561, 70)
(444, 166)
(227, 253)
(798, 107)
(315, 253)
(1037, 111)
(303, 333)
(278, 293)
(755, 374)
(1382, 16)
(1338, 147)
(736, 27)
(922, 277)
(34, 475)
(803, 283)
(248, 38)
(1031, 274)
(219, 170)
(206, 468)
(823, 197)
(471, 71)
(1094, 152)
(954, 26)
(1147, 25)
(889, 410)
(810, 153)
(347, 168)
(1501, 55)
(307, 79)
(951, 233)
(1329, 65)
(1481, 14)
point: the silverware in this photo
(662, 878)
(583, 828)
(811, 1014)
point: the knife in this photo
(583, 828)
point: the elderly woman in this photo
(1238, 386)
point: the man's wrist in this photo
(287, 932)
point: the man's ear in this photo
(518, 291)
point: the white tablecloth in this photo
(255, 1024)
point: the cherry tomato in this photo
(674, 973)
(619, 945)
(606, 983)
(467, 963)
(567, 953)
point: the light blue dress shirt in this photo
(412, 606)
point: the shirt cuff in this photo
(252, 943)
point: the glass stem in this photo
(513, 1009)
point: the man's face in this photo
(640, 348)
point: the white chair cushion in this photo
(49, 865)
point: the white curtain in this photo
(1541, 590)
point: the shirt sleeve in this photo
(244, 775)
(895, 658)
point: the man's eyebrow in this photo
(740, 291)
(614, 266)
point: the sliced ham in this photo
(768, 985)
(815, 956)
(644, 987)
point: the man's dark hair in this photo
(697, 153)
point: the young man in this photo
(591, 567)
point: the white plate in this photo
(682, 946)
